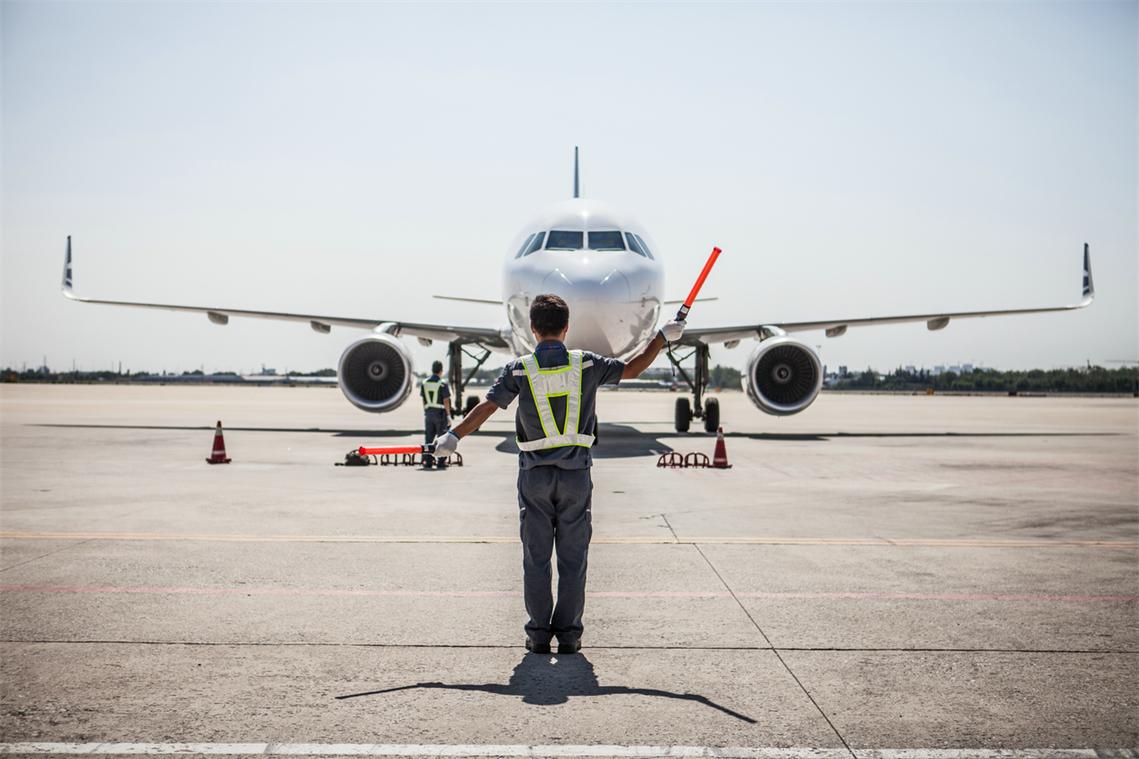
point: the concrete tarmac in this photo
(875, 574)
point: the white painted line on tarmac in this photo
(552, 752)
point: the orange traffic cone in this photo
(720, 457)
(218, 456)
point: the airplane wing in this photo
(489, 337)
(837, 327)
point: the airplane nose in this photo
(598, 300)
(586, 286)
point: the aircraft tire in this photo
(683, 414)
(711, 414)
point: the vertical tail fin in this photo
(67, 267)
(576, 185)
(1089, 286)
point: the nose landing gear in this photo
(455, 352)
(698, 408)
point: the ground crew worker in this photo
(556, 424)
(436, 412)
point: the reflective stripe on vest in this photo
(551, 383)
(431, 394)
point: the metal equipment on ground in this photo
(397, 455)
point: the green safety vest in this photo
(431, 393)
(564, 381)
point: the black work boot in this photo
(569, 647)
(537, 648)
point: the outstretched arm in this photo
(642, 361)
(670, 332)
(475, 419)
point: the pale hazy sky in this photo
(850, 159)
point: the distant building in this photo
(966, 368)
(911, 369)
(939, 369)
(842, 372)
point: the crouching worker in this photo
(436, 412)
(556, 424)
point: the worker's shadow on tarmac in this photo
(614, 441)
(549, 680)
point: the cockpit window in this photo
(561, 239)
(522, 250)
(606, 241)
(638, 246)
(536, 245)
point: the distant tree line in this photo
(108, 375)
(725, 377)
(1093, 379)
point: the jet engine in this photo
(375, 373)
(783, 376)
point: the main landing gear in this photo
(455, 352)
(698, 407)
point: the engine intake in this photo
(783, 376)
(375, 373)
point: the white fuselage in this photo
(614, 293)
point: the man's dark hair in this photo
(549, 315)
(437, 367)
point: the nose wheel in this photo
(697, 407)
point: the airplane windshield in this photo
(525, 245)
(606, 241)
(638, 245)
(536, 244)
(561, 239)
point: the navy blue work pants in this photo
(554, 510)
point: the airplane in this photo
(608, 269)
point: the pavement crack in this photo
(506, 646)
(45, 555)
(774, 650)
(668, 524)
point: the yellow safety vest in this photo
(564, 381)
(431, 393)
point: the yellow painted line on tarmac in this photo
(599, 539)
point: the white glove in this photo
(446, 443)
(672, 331)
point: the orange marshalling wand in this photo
(396, 450)
(682, 313)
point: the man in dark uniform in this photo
(556, 425)
(436, 398)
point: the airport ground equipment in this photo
(697, 460)
(396, 455)
(678, 460)
(217, 455)
(697, 408)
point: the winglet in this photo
(67, 281)
(1089, 286)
